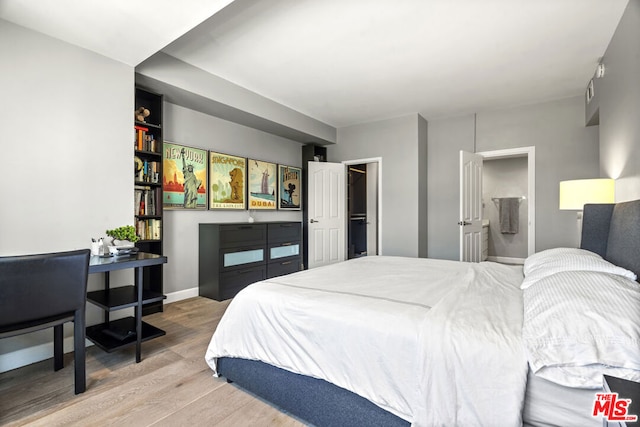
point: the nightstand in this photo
(626, 390)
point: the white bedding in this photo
(434, 342)
(549, 404)
(579, 325)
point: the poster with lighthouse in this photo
(262, 184)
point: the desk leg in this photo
(138, 314)
(105, 313)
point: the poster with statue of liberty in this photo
(227, 181)
(184, 177)
(262, 184)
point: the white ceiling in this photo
(128, 31)
(351, 61)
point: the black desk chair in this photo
(45, 290)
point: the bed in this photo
(403, 341)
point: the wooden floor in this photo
(171, 386)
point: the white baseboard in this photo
(29, 355)
(506, 260)
(37, 353)
(180, 295)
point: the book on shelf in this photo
(150, 172)
(149, 229)
(155, 229)
(140, 136)
(137, 201)
(146, 200)
(151, 203)
(144, 140)
(151, 143)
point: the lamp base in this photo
(579, 224)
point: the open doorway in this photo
(363, 212)
(509, 177)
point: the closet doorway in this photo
(363, 207)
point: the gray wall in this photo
(619, 99)
(398, 142)
(189, 127)
(565, 149)
(505, 178)
(423, 180)
(446, 138)
(191, 87)
(66, 138)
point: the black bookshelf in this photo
(148, 213)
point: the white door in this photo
(326, 212)
(470, 207)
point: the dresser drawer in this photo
(232, 282)
(280, 268)
(249, 256)
(234, 235)
(283, 232)
(284, 250)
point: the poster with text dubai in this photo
(262, 184)
(184, 177)
(227, 181)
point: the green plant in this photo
(126, 232)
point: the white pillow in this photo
(535, 260)
(552, 261)
(579, 325)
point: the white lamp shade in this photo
(576, 193)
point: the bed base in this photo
(313, 400)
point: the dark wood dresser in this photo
(234, 255)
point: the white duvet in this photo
(434, 342)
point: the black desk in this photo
(116, 334)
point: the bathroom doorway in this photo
(508, 189)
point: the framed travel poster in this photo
(262, 184)
(289, 187)
(227, 181)
(184, 177)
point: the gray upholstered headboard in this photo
(613, 231)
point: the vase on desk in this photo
(120, 247)
(122, 243)
(97, 248)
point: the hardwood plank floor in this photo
(171, 386)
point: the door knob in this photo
(463, 223)
(313, 220)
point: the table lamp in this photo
(576, 193)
